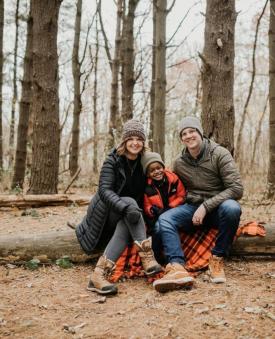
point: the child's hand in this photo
(155, 210)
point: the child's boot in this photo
(146, 254)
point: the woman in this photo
(114, 216)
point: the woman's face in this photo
(134, 146)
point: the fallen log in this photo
(29, 201)
(44, 246)
(55, 244)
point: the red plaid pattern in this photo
(196, 246)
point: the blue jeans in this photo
(225, 218)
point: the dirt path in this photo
(52, 302)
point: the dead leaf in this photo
(270, 315)
(11, 266)
(202, 310)
(220, 306)
(100, 300)
(254, 310)
(2, 322)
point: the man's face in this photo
(191, 138)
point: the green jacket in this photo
(212, 178)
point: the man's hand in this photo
(199, 215)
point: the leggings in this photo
(124, 233)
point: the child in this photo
(163, 191)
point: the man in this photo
(213, 185)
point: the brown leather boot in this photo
(175, 277)
(146, 254)
(216, 270)
(98, 282)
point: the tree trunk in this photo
(114, 105)
(95, 112)
(153, 79)
(271, 165)
(14, 97)
(55, 244)
(24, 110)
(160, 76)
(218, 72)
(128, 78)
(45, 107)
(258, 133)
(1, 81)
(74, 153)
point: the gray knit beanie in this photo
(133, 128)
(150, 157)
(190, 122)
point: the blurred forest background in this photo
(73, 71)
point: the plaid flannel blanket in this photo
(196, 246)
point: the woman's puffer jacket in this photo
(111, 182)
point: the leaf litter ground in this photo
(52, 302)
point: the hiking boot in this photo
(98, 282)
(215, 269)
(175, 276)
(149, 263)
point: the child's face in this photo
(155, 171)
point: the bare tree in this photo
(258, 133)
(251, 86)
(24, 110)
(271, 165)
(153, 78)
(14, 97)
(160, 77)
(45, 104)
(128, 60)
(95, 94)
(114, 105)
(1, 80)
(218, 72)
(74, 149)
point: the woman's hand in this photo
(199, 215)
(132, 214)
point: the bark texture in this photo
(271, 166)
(14, 83)
(153, 79)
(74, 151)
(45, 107)
(95, 94)
(53, 245)
(1, 80)
(218, 72)
(128, 62)
(24, 110)
(27, 201)
(116, 63)
(160, 79)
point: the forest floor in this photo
(52, 302)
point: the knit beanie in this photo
(190, 122)
(150, 157)
(133, 128)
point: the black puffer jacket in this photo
(111, 182)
